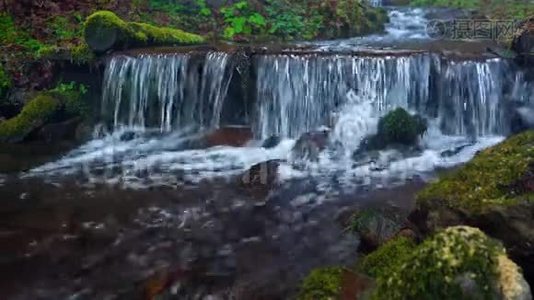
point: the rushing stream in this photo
(153, 189)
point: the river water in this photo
(144, 204)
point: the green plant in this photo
(71, 96)
(239, 18)
(11, 35)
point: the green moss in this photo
(105, 30)
(386, 258)
(163, 35)
(438, 267)
(488, 179)
(34, 114)
(323, 283)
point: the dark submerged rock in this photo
(310, 145)
(235, 136)
(271, 142)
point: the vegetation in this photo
(324, 283)
(279, 19)
(500, 175)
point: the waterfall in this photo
(467, 104)
(298, 94)
(165, 91)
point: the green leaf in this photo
(239, 24)
(257, 19)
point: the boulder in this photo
(262, 175)
(105, 31)
(59, 131)
(493, 192)
(235, 136)
(310, 145)
(271, 142)
(397, 127)
(523, 42)
(456, 263)
(375, 227)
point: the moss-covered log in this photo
(104, 30)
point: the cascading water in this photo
(162, 91)
(299, 94)
(464, 102)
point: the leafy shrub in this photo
(240, 18)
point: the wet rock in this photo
(128, 136)
(310, 145)
(454, 151)
(355, 285)
(58, 131)
(262, 175)
(522, 118)
(271, 142)
(375, 227)
(396, 2)
(235, 136)
(523, 42)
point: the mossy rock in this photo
(34, 114)
(104, 30)
(397, 127)
(382, 261)
(500, 175)
(323, 283)
(457, 263)
(494, 191)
